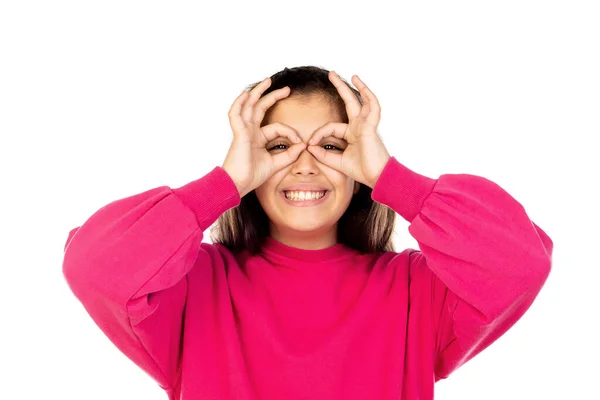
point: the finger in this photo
(352, 104)
(267, 102)
(248, 107)
(285, 158)
(372, 111)
(235, 118)
(335, 129)
(330, 159)
(275, 130)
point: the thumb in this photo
(329, 158)
(287, 157)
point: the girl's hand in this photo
(248, 162)
(365, 156)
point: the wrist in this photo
(242, 192)
(384, 161)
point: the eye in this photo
(332, 147)
(278, 146)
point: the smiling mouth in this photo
(304, 195)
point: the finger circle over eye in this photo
(276, 129)
(335, 129)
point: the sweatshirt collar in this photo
(272, 247)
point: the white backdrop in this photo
(101, 100)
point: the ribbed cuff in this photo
(209, 196)
(402, 189)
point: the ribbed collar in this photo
(272, 247)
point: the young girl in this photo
(301, 295)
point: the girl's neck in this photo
(306, 240)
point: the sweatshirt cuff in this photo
(402, 189)
(209, 196)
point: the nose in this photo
(306, 164)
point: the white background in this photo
(101, 100)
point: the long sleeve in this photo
(128, 262)
(486, 260)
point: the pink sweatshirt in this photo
(308, 324)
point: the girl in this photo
(301, 295)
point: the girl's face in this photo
(305, 200)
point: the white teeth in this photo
(303, 196)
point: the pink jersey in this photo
(206, 323)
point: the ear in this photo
(356, 187)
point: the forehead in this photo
(304, 113)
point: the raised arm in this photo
(484, 259)
(128, 262)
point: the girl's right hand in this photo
(249, 163)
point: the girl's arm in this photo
(127, 265)
(485, 259)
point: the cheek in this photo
(261, 194)
(344, 186)
(348, 186)
(349, 192)
(265, 191)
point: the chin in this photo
(306, 225)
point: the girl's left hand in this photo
(365, 155)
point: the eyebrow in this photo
(334, 138)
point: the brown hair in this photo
(366, 225)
